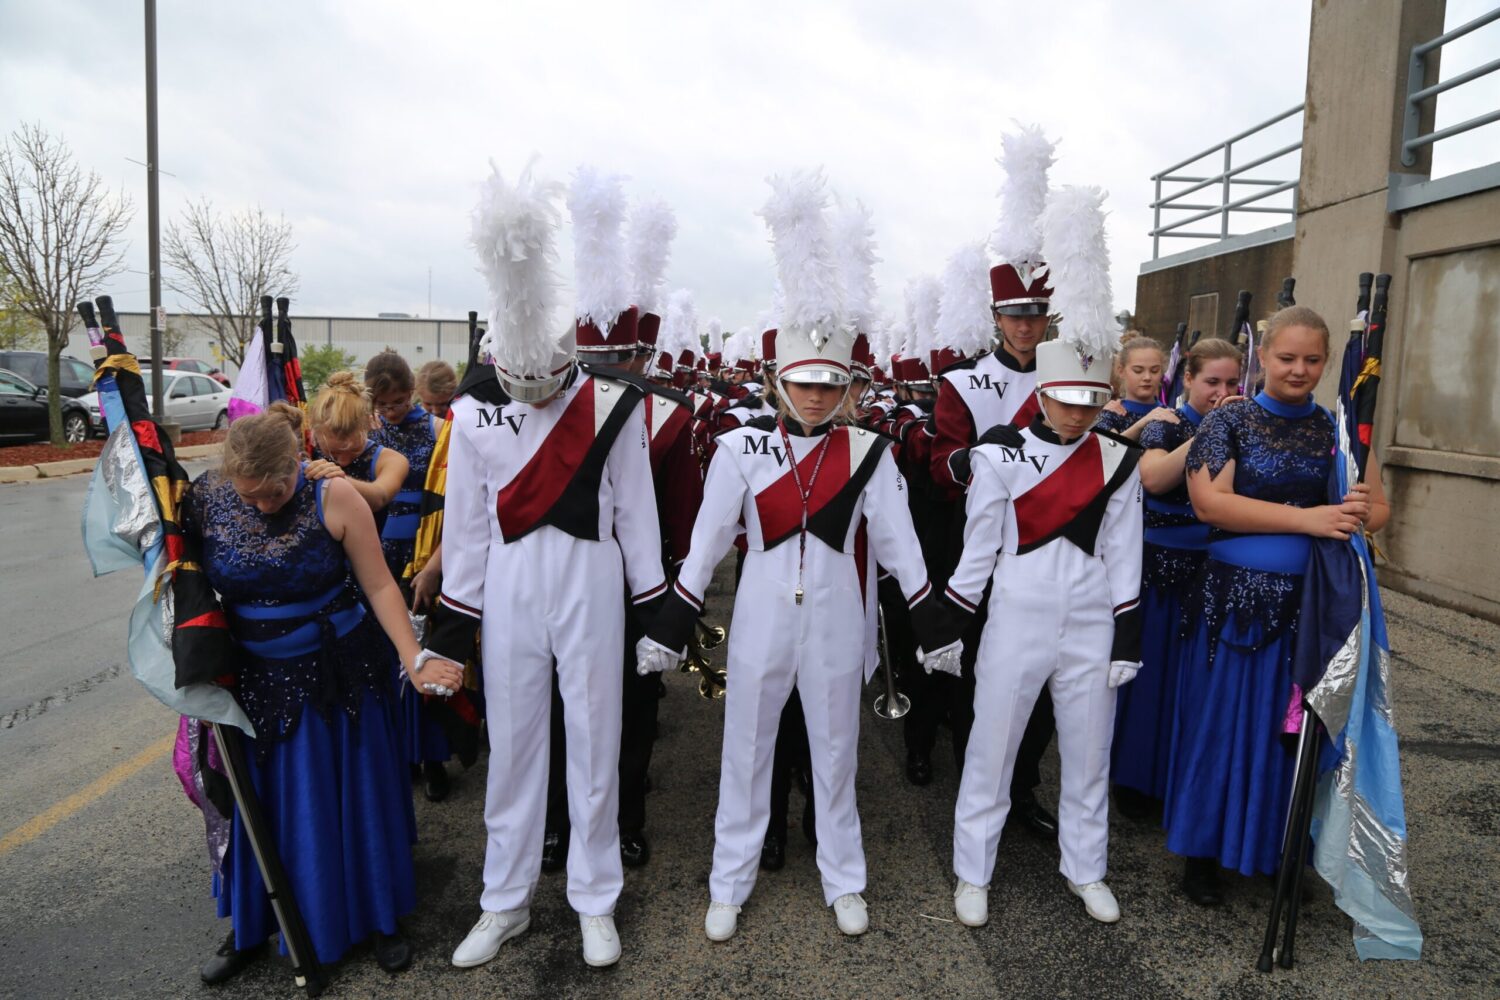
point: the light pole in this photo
(153, 213)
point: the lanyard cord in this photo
(804, 495)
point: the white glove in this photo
(946, 660)
(653, 657)
(1122, 672)
(421, 661)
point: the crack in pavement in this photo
(41, 706)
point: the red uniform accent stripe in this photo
(1044, 509)
(1127, 605)
(527, 498)
(459, 606)
(687, 595)
(654, 591)
(917, 597)
(954, 596)
(779, 506)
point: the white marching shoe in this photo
(601, 943)
(972, 904)
(486, 937)
(853, 918)
(1098, 900)
(722, 921)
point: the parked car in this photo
(74, 376)
(197, 365)
(23, 412)
(196, 402)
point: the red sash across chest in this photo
(528, 497)
(779, 506)
(1043, 510)
(664, 421)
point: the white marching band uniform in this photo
(551, 511)
(794, 629)
(1058, 529)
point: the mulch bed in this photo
(35, 454)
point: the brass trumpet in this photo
(890, 703)
(711, 679)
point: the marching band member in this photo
(799, 488)
(549, 512)
(1054, 533)
(1138, 369)
(1257, 473)
(996, 389)
(1176, 542)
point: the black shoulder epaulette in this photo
(481, 383)
(640, 382)
(1122, 439)
(762, 423)
(752, 400)
(965, 363)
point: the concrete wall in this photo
(1202, 292)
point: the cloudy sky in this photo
(369, 125)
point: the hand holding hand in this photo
(435, 674)
(947, 660)
(654, 658)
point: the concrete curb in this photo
(76, 466)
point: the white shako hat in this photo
(1075, 368)
(514, 231)
(813, 343)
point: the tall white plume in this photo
(924, 296)
(715, 335)
(679, 327)
(1026, 155)
(601, 275)
(513, 229)
(652, 228)
(964, 321)
(1077, 255)
(854, 250)
(738, 346)
(796, 215)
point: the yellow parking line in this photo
(48, 818)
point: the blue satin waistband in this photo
(1162, 507)
(411, 496)
(1268, 553)
(401, 527)
(305, 638)
(1179, 536)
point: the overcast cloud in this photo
(369, 124)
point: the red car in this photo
(195, 365)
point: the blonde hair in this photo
(1295, 316)
(265, 446)
(1211, 349)
(341, 407)
(1138, 342)
(438, 378)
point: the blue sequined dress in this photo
(1231, 769)
(1175, 545)
(422, 736)
(1119, 423)
(314, 679)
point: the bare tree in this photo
(60, 232)
(223, 264)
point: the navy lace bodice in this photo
(414, 438)
(1281, 457)
(293, 608)
(1170, 566)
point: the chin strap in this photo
(797, 414)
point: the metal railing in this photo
(1223, 183)
(1417, 91)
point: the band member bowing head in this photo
(804, 489)
(549, 513)
(1054, 525)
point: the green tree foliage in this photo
(322, 361)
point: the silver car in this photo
(195, 402)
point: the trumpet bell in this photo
(711, 687)
(892, 708)
(711, 636)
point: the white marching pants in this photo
(1038, 634)
(785, 646)
(550, 597)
